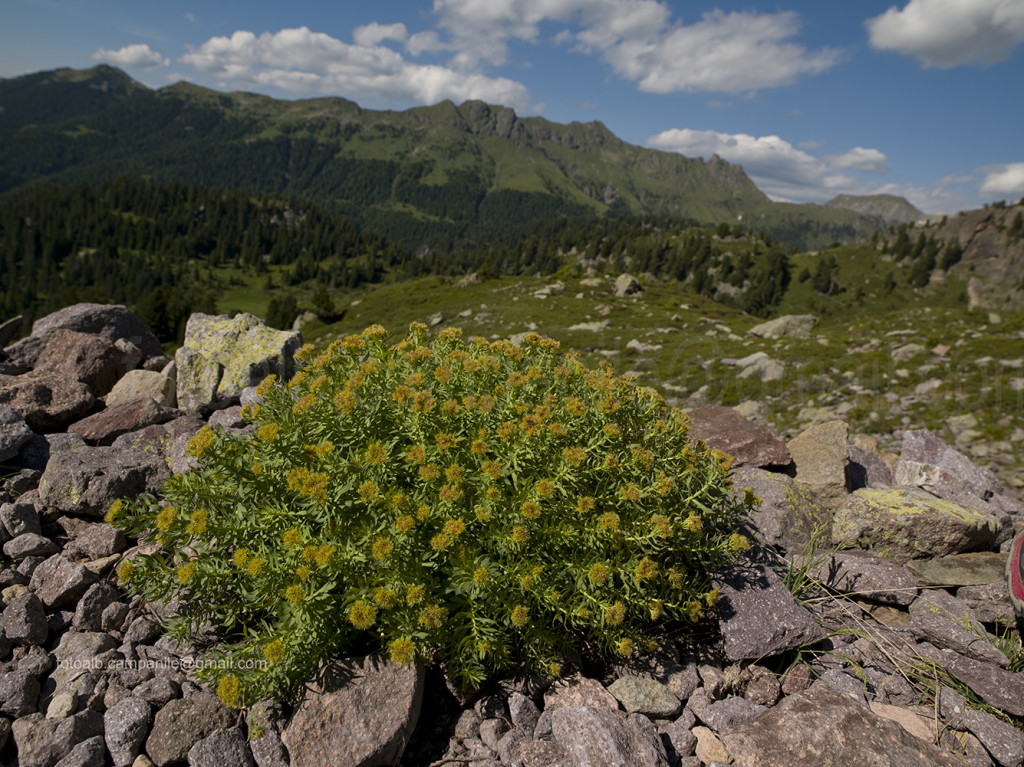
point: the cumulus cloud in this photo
(138, 56)
(948, 33)
(302, 61)
(1005, 182)
(778, 168)
(731, 52)
(374, 34)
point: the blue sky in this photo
(924, 98)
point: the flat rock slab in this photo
(824, 727)
(786, 326)
(356, 713)
(975, 568)
(110, 423)
(759, 616)
(904, 523)
(868, 576)
(578, 690)
(750, 443)
(996, 686)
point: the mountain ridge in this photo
(443, 170)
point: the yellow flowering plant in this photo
(489, 504)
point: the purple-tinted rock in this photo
(89, 359)
(88, 753)
(104, 427)
(47, 402)
(929, 463)
(182, 723)
(89, 612)
(990, 602)
(787, 513)
(1003, 741)
(759, 616)
(867, 469)
(996, 686)
(750, 443)
(111, 322)
(20, 518)
(820, 727)
(734, 710)
(95, 541)
(355, 713)
(868, 576)
(59, 582)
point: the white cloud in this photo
(138, 56)
(1005, 182)
(374, 34)
(778, 168)
(947, 33)
(302, 61)
(731, 52)
(859, 158)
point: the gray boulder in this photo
(223, 355)
(182, 723)
(59, 582)
(821, 454)
(927, 462)
(220, 748)
(44, 742)
(14, 432)
(600, 737)
(46, 401)
(112, 322)
(626, 285)
(143, 383)
(787, 326)
(88, 480)
(24, 621)
(356, 713)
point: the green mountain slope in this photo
(426, 173)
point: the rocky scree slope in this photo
(889, 653)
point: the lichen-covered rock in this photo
(143, 383)
(223, 355)
(645, 696)
(88, 480)
(901, 524)
(626, 285)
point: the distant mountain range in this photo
(443, 171)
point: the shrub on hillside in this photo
(487, 503)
